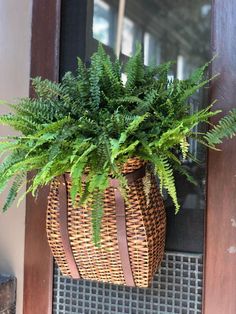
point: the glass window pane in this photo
(131, 35)
(103, 22)
(152, 50)
(176, 31)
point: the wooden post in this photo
(38, 267)
(220, 264)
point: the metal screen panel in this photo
(177, 288)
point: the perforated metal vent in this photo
(177, 288)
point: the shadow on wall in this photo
(5, 265)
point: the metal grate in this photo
(177, 288)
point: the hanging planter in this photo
(100, 144)
(132, 235)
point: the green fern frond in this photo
(53, 127)
(46, 89)
(132, 127)
(192, 90)
(184, 145)
(42, 111)
(12, 194)
(95, 74)
(181, 169)
(226, 128)
(171, 138)
(22, 124)
(134, 70)
(87, 124)
(148, 103)
(9, 162)
(26, 164)
(165, 173)
(112, 83)
(97, 214)
(10, 145)
(76, 176)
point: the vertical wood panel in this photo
(220, 266)
(38, 267)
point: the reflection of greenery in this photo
(92, 123)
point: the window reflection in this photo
(131, 35)
(103, 23)
(168, 30)
(152, 49)
(180, 67)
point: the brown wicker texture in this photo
(145, 228)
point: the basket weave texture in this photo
(145, 222)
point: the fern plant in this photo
(91, 121)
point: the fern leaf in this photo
(22, 124)
(116, 150)
(45, 88)
(226, 128)
(7, 146)
(76, 176)
(16, 186)
(184, 172)
(190, 91)
(134, 70)
(52, 127)
(133, 126)
(149, 101)
(95, 73)
(184, 145)
(97, 214)
(165, 173)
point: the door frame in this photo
(220, 257)
(38, 261)
(220, 234)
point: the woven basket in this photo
(132, 235)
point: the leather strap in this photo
(121, 225)
(130, 177)
(63, 225)
(122, 239)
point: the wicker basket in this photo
(132, 235)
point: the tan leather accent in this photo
(121, 225)
(63, 223)
(122, 239)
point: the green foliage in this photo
(91, 123)
(13, 191)
(97, 213)
(226, 128)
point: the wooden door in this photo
(220, 235)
